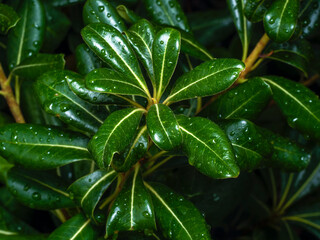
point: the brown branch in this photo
(8, 95)
(311, 80)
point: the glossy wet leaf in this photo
(207, 147)
(76, 228)
(254, 10)
(58, 99)
(165, 53)
(110, 138)
(39, 147)
(88, 190)
(244, 101)
(38, 190)
(141, 36)
(167, 12)
(57, 27)
(137, 148)
(133, 208)
(127, 14)
(106, 80)
(310, 18)
(280, 19)
(177, 217)
(34, 66)
(86, 59)
(249, 145)
(287, 155)
(4, 168)
(243, 26)
(163, 127)
(77, 85)
(27, 37)
(207, 79)
(8, 18)
(298, 103)
(101, 11)
(111, 46)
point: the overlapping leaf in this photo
(254, 10)
(8, 18)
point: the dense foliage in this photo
(159, 119)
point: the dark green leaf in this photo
(141, 36)
(207, 147)
(113, 48)
(76, 228)
(39, 147)
(310, 17)
(106, 80)
(249, 145)
(299, 104)
(177, 217)
(39, 190)
(86, 59)
(244, 101)
(114, 135)
(34, 66)
(191, 46)
(77, 85)
(127, 14)
(56, 98)
(88, 190)
(287, 155)
(101, 11)
(4, 168)
(123, 162)
(280, 19)
(57, 26)
(63, 3)
(163, 127)
(165, 52)
(209, 78)
(26, 38)
(27, 237)
(243, 26)
(254, 10)
(167, 13)
(132, 209)
(8, 18)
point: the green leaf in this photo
(249, 145)
(76, 228)
(163, 127)
(167, 12)
(244, 101)
(106, 80)
(114, 135)
(26, 38)
(141, 36)
(27, 237)
(133, 208)
(88, 190)
(101, 11)
(86, 59)
(254, 10)
(310, 18)
(177, 217)
(280, 20)
(57, 27)
(56, 98)
(40, 147)
(207, 79)
(207, 147)
(77, 85)
(113, 48)
(165, 52)
(127, 14)
(243, 26)
(299, 104)
(34, 66)
(63, 3)
(4, 168)
(39, 190)
(124, 161)
(8, 18)
(287, 155)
